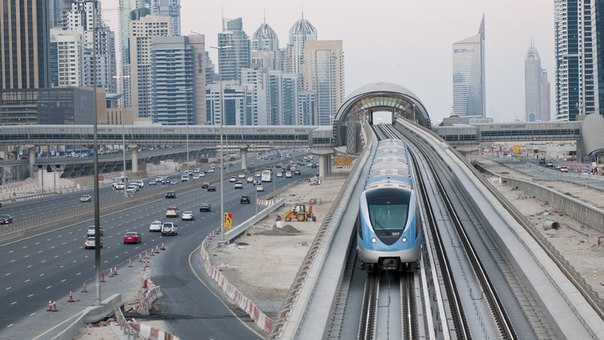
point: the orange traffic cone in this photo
(129, 262)
(102, 276)
(114, 271)
(52, 306)
(70, 299)
(84, 289)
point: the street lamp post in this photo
(97, 218)
(221, 151)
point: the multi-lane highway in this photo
(50, 265)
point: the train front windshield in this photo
(388, 208)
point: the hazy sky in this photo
(402, 41)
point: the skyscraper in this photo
(24, 44)
(265, 48)
(536, 88)
(301, 32)
(575, 85)
(178, 80)
(142, 32)
(469, 76)
(598, 49)
(324, 75)
(80, 16)
(234, 50)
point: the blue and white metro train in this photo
(389, 232)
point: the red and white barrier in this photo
(245, 304)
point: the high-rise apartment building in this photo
(142, 32)
(283, 98)
(178, 80)
(256, 79)
(238, 103)
(536, 88)
(469, 96)
(99, 60)
(575, 79)
(233, 50)
(324, 75)
(67, 57)
(24, 44)
(169, 8)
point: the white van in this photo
(184, 178)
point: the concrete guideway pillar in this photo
(324, 160)
(32, 160)
(243, 154)
(134, 156)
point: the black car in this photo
(205, 185)
(297, 172)
(205, 207)
(6, 219)
(244, 199)
(211, 187)
(171, 194)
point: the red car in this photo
(132, 237)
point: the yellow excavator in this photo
(300, 213)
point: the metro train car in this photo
(389, 232)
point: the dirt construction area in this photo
(576, 242)
(263, 263)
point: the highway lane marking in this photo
(8, 288)
(48, 287)
(42, 261)
(26, 281)
(48, 239)
(32, 314)
(69, 252)
(24, 247)
(63, 280)
(74, 261)
(64, 243)
(29, 266)
(26, 256)
(41, 274)
(61, 266)
(13, 260)
(79, 273)
(11, 325)
(40, 251)
(13, 303)
(86, 256)
(30, 295)
(7, 274)
(52, 247)
(10, 252)
(37, 243)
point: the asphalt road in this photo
(48, 266)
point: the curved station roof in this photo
(379, 96)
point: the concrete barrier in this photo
(90, 314)
(590, 216)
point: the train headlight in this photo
(404, 239)
(373, 240)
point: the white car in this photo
(91, 231)
(259, 188)
(233, 180)
(119, 186)
(279, 174)
(241, 176)
(187, 216)
(211, 170)
(155, 226)
(250, 179)
(288, 174)
(86, 198)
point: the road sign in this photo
(228, 221)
